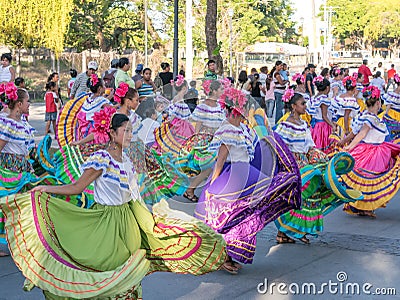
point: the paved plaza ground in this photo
(351, 253)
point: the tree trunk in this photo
(211, 34)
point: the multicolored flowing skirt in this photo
(16, 176)
(104, 252)
(376, 174)
(171, 136)
(321, 134)
(245, 197)
(194, 157)
(321, 194)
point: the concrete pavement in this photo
(366, 250)
(351, 252)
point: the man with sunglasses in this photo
(80, 85)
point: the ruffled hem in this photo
(377, 188)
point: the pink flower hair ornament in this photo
(351, 78)
(121, 91)
(336, 72)
(396, 78)
(179, 80)
(318, 79)
(289, 93)
(102, 124)
(206, 86)
(8, 92)
(298, 76)
(372, 91)
(355, 75)
(234, 101)
(94, 79)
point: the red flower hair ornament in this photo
(121, 91)
(234, 101)
(102, 121)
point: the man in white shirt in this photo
(263, 77)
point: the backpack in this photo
(158, 82)
(109, 79)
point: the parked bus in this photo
(266, 54)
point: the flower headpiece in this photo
(234, 101)
(355, 75)
(102, 123)
(289, 93)
(351, 78)
(206, 86)
(179, 80)
(298, 76)
(372, 91)
(94, 79)
(318, 79)
(226, 83)
(121, 91)
(396, 78)
(8, 92)
(336, 72)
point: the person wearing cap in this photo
(138, 73)
(80, 85)
(122, 73)
(363, 69)
(309, 80)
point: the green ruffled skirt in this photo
(104, 252)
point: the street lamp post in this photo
(230, 14)
(176, 39)
(145, 34)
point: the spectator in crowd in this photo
(285, 72)
(309, 80)
(379, 82)
(52, 105)
(138, 73)
(192, 96)
(109, 75)
(182, 73)
(244, 83)
(279, 89)
(55, 78)
(122, 74)
(166, 77)
(211, 74)
(263, 77)
(80, 85)
(363, 69)
(146, 89)
(252, 72)
(345, 72)
(380, 69)
(390, 74)
(7, 71)
(73, 73)
(256, 87)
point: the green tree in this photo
(26, 23)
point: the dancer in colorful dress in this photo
(16, 141)
(208, 117)
(321, 124)
(392, 114)
(337, 87)
(359, 87)
(377, 170)
(172, 135)
(104, 252)
(345, 105)
(318, 197)
(253, 182)
(94, 102)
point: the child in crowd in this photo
(146, 132)
(52, 105)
